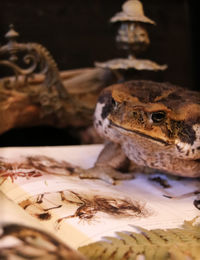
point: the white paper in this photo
(81, 205)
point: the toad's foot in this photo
(105, 173)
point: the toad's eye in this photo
(158, 117)
(114, 103)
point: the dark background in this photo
(77, 33)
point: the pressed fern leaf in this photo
(158, 244)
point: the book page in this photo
(81, 211)
(23, 237)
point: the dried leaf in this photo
(158, 244)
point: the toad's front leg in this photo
(110, 165)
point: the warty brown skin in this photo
(156, 124)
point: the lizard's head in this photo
(161, 113)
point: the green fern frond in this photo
(158, 244)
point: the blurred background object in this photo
(77, 34)
(132, 37)
(38, 94)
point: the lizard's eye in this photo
(158, 117)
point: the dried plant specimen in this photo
(37, 206)
(196, 203)
(158, 244)
(162, 181)
(14, 170)
(33, 166)
(87, 206)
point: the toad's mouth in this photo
(159, 140)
